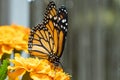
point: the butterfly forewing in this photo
(50, 10)
(63, 25)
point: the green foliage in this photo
(3, 69)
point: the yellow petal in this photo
(13, 37)
(39, 69)
(15, 75)
(40, 76)
(7, 49)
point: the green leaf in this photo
(3, 69)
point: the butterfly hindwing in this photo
(39, 41)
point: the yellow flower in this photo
(21, 39)
(38, 69)
(13, 37)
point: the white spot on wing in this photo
(55, 18)
(50, 16)
(66, 24)
(64, 20)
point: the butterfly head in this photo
(54, 59)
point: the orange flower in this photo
(39, 69)
(13, 37)
(21, 39)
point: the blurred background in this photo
(92, 50)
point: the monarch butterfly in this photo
(48, 38)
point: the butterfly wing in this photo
(57, 22)
(63, 28)
(49, 37)
(50, 17)
(40, 41)
(37, 45)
